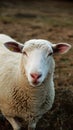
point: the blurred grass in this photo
(51, 13)
(52, 21)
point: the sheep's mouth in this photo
(35, 84)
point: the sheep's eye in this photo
(50, 53)
(25, 53)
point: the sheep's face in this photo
(38, 61)
(37, 58)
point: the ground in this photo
(51, 20)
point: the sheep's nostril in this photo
(35, 76)
(39, 75)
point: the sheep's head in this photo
(37, 58)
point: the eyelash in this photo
(25, 53)
(50, 54)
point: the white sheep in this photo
(26, 79)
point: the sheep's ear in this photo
(61, 48)
(14, 46)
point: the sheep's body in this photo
(17, 97)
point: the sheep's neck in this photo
(29, 99)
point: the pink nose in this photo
(35, 76)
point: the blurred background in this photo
(51, 20)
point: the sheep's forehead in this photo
(40, 44)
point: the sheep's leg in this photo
(29, 128)
(2, 118)
(32, 126)
(14, 124)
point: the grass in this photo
(52, 21)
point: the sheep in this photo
(26, 79)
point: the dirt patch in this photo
(52, 21)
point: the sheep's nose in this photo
(35, 76)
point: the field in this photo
(51, 20)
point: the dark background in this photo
(51, 20)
